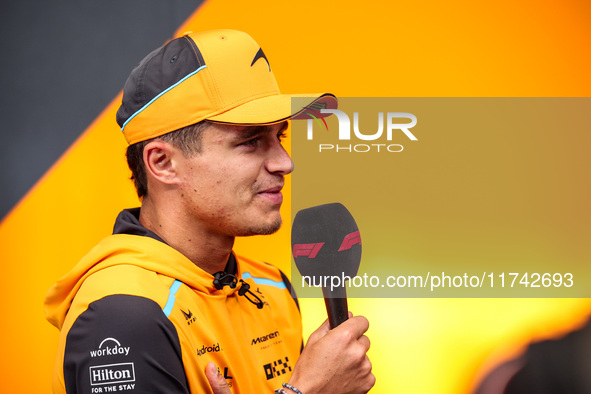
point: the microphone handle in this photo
(336, 305)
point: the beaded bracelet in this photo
(289, 386)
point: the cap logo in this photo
(318, 105)
(260, 54)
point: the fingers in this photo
(364, 340)
(336, 361)
(319, 333)
(216, 380)
(356, 326)
(370, 381)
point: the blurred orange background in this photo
(354, 49)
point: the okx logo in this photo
(277, 368)
(390, 126)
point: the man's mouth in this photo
(272, 194)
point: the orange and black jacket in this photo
(137, 316)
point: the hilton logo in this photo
(112, 373)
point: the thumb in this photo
(216, 380)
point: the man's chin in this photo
(264, 229)
(271, 229)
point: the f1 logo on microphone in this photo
(350, 240)
(311, 250)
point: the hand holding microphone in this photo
(335, 360)
(326, 243)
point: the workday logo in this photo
(359, 131)
(110, 347)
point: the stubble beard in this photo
(265, 229)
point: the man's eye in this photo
(251, 142)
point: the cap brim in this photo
(277, 108)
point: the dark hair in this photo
(187, 139)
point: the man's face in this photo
(233, 186)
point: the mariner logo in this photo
(277, 368)
(112, 373)
(110, 347)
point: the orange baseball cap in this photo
(221, 75)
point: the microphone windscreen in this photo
(325, 241)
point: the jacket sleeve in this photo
(123, 343)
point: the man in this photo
(164, 305)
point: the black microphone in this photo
(326, 245)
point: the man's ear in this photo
(159, 160)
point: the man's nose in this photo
(279, 161)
